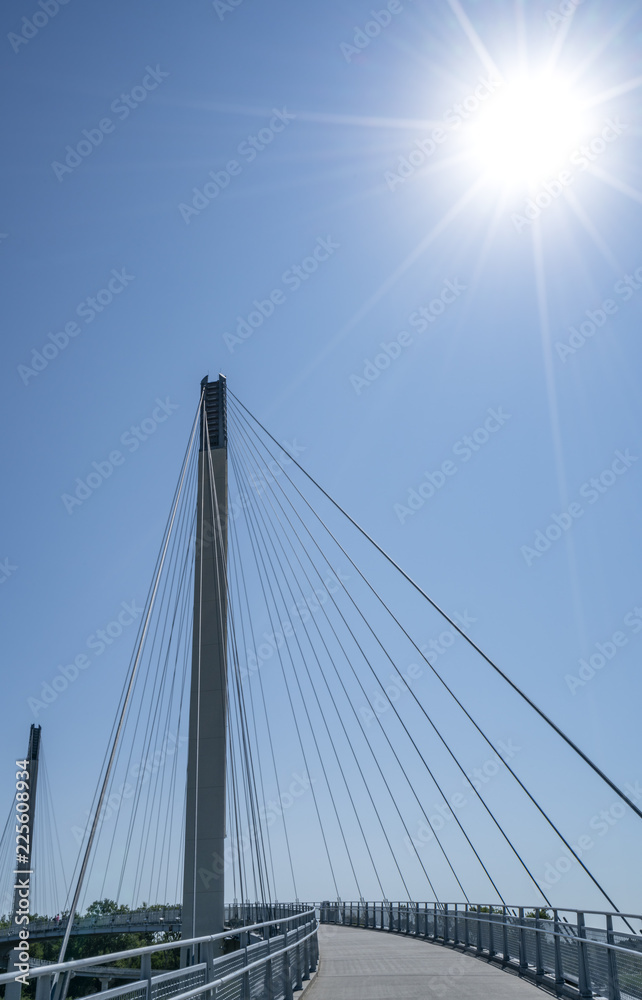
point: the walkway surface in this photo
(368, 965)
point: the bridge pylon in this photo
(203, 884)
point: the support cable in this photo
(359, 722)
(458, 629)
(223, 582)
(264, 576)
(125, 702)
(474, 723)
(241, 577)
(294, 717)
(407, 731)
(325, 722)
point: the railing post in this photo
(614, 984)
(491, 934)
(506, 956)
(466, 930)
(539, 964)
(559, 967)
(43, 987)
(146, 973)
(206, 955)
(455, 928)
(288, 993)
(268, 986)
(306, 960)
(582, 958)
(479, 932)
(63, 985)
(434, 921)
(245, 979)
(425, 920)
(446, 935)
(523, 954)
(298, 962)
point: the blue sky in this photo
(250, 136)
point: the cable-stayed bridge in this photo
(344, 737)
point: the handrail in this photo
(472, 906)
(506, 935)
(484, 918)
(81, 963)
(215, 983)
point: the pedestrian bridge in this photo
(135, 922)
(357, 965)
(379, 951)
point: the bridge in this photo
(139, 922)
(278, 634)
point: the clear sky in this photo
(410, 240)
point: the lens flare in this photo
(529, 131)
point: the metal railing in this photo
(554, 947)
(272, 967)
(161, 918)
(136, 920)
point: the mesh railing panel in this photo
(171, 986)
(629, 973)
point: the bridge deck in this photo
(361, 964)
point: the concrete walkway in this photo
(358, 964)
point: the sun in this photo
(529, 130)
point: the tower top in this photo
(215, 412)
